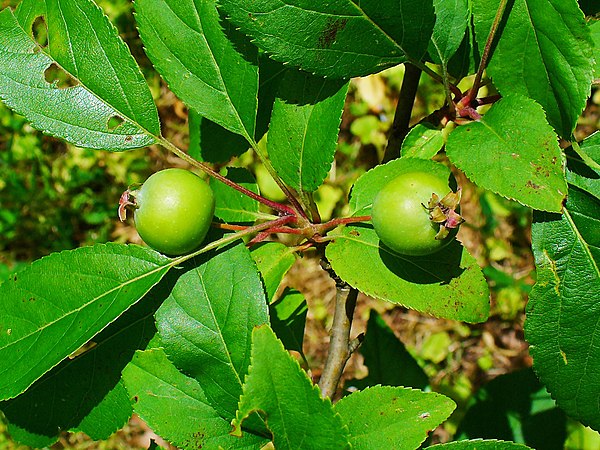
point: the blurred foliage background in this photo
(54, 196)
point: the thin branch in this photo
(207, 169)
(406, 101)
(340, 348)
(486, 54)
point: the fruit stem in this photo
(208, 170)
(233, 237)
(467, 99)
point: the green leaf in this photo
(595, 32)
(281, 391)
(446, 284)
(387, 359)
(480, 444)
(216, 144)
(208, 64)
(61, 301)
(288, 319)
(175, 406)
(515, 407)
(451, 21)
(230, 204)
(304, 128)
(583, 166)
(422, 141)
(206, 323)
(87, 50)
(339, 39)
(544, 52)
(84, 392)
(513, 152)
(563, 309)
(273, 260)
(392, 417)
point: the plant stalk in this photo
(340, 347)
(271, 204)
(406, 101)
(486, 54)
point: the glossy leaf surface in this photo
(294, 411)
(563, 309)
(304, 128)
(206, 323)
(210, 66)
(544, 52)
(61, 301)
(339, 39)
(176, 407)
(392, 417)
(104, 81)
(513, 152)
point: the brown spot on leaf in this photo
(530, 184)
(330, 32)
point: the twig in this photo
(485, 56)
(406, 101)
(340, 347)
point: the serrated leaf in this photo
(368, 185)
(304, 128)
(215, 144)
(388, 361)
(422, 141)
(208, 64)
(515, 407)
(595, 32)
(87, 48)
(273, 260)
(175, 406)
(340, 39)
(563, 307)
(582, 166)
(288, 319)
(451, 21)
(392, 417)
(447, 284)
(280, 390)
(61, 301)
(544, 51)
(480, 444)
(513, 152)
(230, 204)
(84, 392)
(206, 323)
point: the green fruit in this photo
(402, 210)
(174, 210)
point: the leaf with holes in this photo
(340, 39)
(563, 309)
(544, 51)
(61, 301)
(209, 65)
(206, 323)
(513, 152)
(110, 105)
